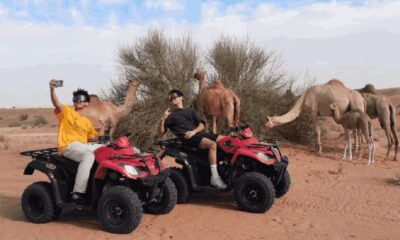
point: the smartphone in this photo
(59, 83)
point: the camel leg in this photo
(396, 140)
(347, 142)
(214, 124)
(390, 143)
(356, 140)
(228, 112)
(350, 148)
(317, 132)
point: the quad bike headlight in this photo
(131, 170)
(264, 157)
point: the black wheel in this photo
(38, 203)
(254, 192)
(167, 200)
(283, 187)
(181, 183)
(119, 210)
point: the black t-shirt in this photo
(182, 120)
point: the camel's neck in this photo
(289, 116)
(202, 85)
(336, 115)
(129, 99)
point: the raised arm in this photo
(53, 96)
(161, 128)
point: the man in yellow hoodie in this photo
(74, 131)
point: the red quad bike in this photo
(121, 185)
(255, 169)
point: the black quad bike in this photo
(120, 186)
(255, 169)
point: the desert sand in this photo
(330, 198)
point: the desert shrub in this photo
(395, 180)
(258, 78)
(39, 120)
(23, 117)
(14, 124)
(159, 64)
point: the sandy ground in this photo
(329, 198)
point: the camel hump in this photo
(94, 98)
(335, 82)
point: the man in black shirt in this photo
(187, 125)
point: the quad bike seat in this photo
(65, 161)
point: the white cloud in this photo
(165, 5)
(355, 44)
(76, 16)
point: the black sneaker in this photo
(78, 198)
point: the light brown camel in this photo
(379, 106)
(105, 115)
(355, 120)
(216, 100)
(316, 101)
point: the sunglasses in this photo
(172, 99)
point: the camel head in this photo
(368, 88)
(334, 107)
(268, 124)
(200, 75)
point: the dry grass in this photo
(39, 121)
(395, 180)
(23, 117)
(14, 124)
(4, 142)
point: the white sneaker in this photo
(217, 183)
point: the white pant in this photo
(83, 154)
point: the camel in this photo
(379, 106)
(105, 115)
(316, 101)
(216, 100)
(351, 121)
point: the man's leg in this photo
(216, 180)
(82, 153)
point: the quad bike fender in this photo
(51, 171)
(252, 155)
(47, 168)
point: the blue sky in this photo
(97, 12)
(78, 41)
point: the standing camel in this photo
(316, 101)
(216, 100)
(355, 120)
(105, 115)
(379, 106)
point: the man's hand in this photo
(53, 83)
(189, 134)
(166, 114)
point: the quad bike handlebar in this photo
(235, 130)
